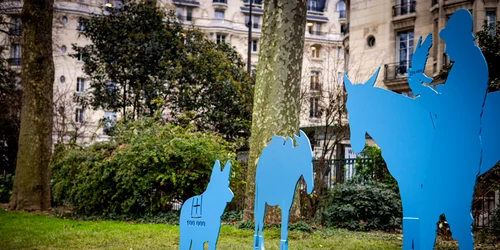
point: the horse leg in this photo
(259, 212)
(285, 213)
(197, 245)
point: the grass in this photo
(20, 230)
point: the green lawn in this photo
(19, 230)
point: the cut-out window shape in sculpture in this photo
(437, 144)
(279, 168)
(201, 215)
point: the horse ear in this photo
(373, 79)
(347, 82)
(216, 170)
(302, 138)
(226, 173)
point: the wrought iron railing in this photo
(254, 25)
(254, 2)
(403, 9)
(396, 70)
(185, 18)
(220, 1)
(15, 31)
(317, 33)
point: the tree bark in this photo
(276, 99)
(31, 189)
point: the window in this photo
(341, 7)
(314, 108)
(189, 15)
(312, 5)
(344, 29)
(64, 20)
(315, 51)
(491, 21)
(180, 13)
(80, 57)
(219, 14)
(63, 49)
(255, 45)
(404, 50)
(339, 78)
(340, 53)
(15, 51)
(81, 26)
(62, 79)
(315, 85)
(109, 122)
(221, 39)
(408, 94)
(79, 115)
(370, 41)
(80, 84)
(255, 21)
(16, 26)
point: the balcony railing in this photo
(396, 70)
(314, 9)
(317, 33)
(220, 1)
(185, 18)
(403, 9)
(434, 2)
(186, 2)
(254, 2)
(254, 25)
(342, 14)
(14, 61)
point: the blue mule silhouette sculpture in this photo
(279, 168)
(201, 215)
(397, 124)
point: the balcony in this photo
(403, 9)
(254, 25)
(257, 3)
(14, 61)
(397, 70)
(314, 9)
(317, 33)
(219, 4)
(185, 18)
(187, 3)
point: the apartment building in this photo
(383, 34)
(222, 20)
(229, 20)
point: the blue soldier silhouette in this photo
(279, 168)
(455, 156)
(201, 215)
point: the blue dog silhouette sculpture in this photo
(421, 138)
(201, 215)
(279, 168)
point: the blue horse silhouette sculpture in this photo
(201, 215)
(279, 168)
(437, 144)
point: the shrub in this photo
(6, 188)
(144, 169)
(365, 207)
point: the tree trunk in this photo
(32, 181)
(276, 99)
